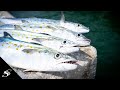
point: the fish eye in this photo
(57, 56)
(78, 35)
(64, 42)
(78, 25)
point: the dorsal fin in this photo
(18, 27)
(41, 39)
(30, 51)
(6, 34)
(62, 17)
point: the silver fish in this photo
(59, 44)
(56, 32)
(75, 27)
(37, 59)
(53, 31)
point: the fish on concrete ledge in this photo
(38, 58)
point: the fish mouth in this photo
(69, 46)
(83, 43)
(70, 62)
(84, 40)
(88, 40)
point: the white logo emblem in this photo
(7, 73)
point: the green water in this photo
(103, 33)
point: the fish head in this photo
(56, 61)
(76, 27)
(84, 41)
(54, 41)
(62, 45)
(80, 39)
(77, 38)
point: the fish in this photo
(23, 35)
(59, 44)
(79, 39)
(64, 46)
(35, 59)
(75, 27)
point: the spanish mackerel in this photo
(36, 58)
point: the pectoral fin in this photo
(18, 27)
(29, 51)
(40, 39)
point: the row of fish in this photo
(38, 44)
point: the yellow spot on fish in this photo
(16, 48)
(26, 37)
(37, 30)
(2, 44)
(31, 47)
(40, 26)
(27, 51)
(21, 45)
(10, 43)
(15, 44)
(44, 30)
(8, 46)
